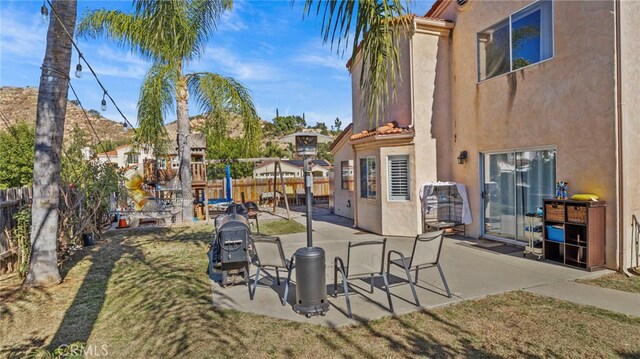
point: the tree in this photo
(286, 125)
(16, 155)
(337, 124)
(378, 27)
(50, 116)
(172, 34)
(322, 127)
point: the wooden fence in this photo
(10, 202)
(252, 188)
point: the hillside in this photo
(19, 104)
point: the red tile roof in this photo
(110, 153)
(390, 128)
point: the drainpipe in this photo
(621, 267)
(414, 28)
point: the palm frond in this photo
(379, 25)
(155, 101)
(203, 16)
(125, 29)
(216, 94)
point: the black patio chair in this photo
(364, 260)
(427, 248)
(269, 255)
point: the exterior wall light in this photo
(462, 157)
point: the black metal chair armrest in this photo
(402, 257)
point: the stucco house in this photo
(291, 169)
(126, 156)
(526, 93)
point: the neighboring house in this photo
(533, 92)
(291, 169)
(126, 156)
(163, 168)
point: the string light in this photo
(91, 70)
(104, 102)
(124, 124)
(45, 13)
(79, 67)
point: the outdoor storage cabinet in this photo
(574, 233)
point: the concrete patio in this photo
(473, 270)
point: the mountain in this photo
(19, 104)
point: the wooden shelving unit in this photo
(578, 236)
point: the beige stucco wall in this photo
(426, 51)
(567, 102)
(432, 105)
(399, 109)
(630, 108)
(344, 200)
(399, 217)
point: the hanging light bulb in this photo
(104, 103)
(124, 124)
(44, 12)
(78, 70)
(79, 67)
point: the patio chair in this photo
(269, 255)
(364, 260)
(425, 254)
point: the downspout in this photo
(414, 28)
(621, 267)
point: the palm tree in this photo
(50, 116)
(171, 34)
(379, 24)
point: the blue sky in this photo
(264, 44)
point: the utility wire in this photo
(86, 116)
(81, 56)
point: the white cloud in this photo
(240, 68)
(113, 62)
(324, 60)
(24, 39)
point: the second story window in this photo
(133, 158)
(523, 39)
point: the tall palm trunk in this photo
(184, 144)
(51, 110)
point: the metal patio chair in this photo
(425, 254)
(269, 255)
(364, 260)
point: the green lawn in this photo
(280, 226)
(616, 281)
(145, 294)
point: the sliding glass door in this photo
(515, 183)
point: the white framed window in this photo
(368, 177)
(524, 38)
(162, 163)
(133, 158)
(346, 175)
(398, 177)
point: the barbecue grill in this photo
(229, 247)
